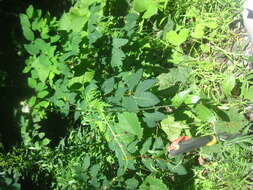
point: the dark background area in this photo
(13, 85)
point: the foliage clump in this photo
(128, 86)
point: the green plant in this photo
(129, 85)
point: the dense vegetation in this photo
(114, 82)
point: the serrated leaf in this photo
(129, 125)
(146, 99)
(41, 65)
(150, 164)
(145, 85)
(117, 54)
(130, 104)
(152, 118)
(172, 128)
(108, 85)
(180, 74)
(131, 20)
(134, 79)
(228, 84)
(152, 183)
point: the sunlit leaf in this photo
(172, 128)
(228, 84)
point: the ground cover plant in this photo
(121, 80)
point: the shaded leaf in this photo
(152, 118)
(145, 85)
(134, 79)
(146, 145)
(108, 85)
(152, 183)
(130, 104)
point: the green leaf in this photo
(152, 10)
(32, 82)
(32, 49)
(158, 144)
(131, 20)
(42, 94)
(86, 77)
(32, 101)
(108, 85)
(180, 74)
(130, 104)
(117, 54)
(204, 113)
(129, 124)
(132, 183)
(172, 128)
(24, 20)
(141, 5)
(146, 145)
(42, 67)
(45, 142)
(228, 84)
(41, 135)
(28, 33)
(134, 79)
(86, 162)
(178, 169)
(152, 118)
(146, 99)
(150, 164)
(149, 6)
(198, 31)
(29, 11)
(43, 104)
(176, 38)
(152, 183)
(145, 85)
(180, 97)
(233, 125)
